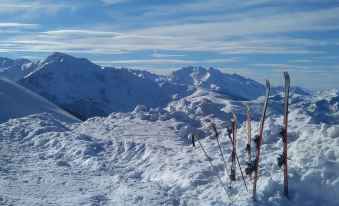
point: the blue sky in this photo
(256, 38)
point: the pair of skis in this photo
(253, 166)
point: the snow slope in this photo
(144, 157)
(16, 101)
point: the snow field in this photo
(145, 158)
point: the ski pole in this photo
(194, 136)
(216, 134)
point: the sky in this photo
(258, 39)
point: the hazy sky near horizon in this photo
(256, 38)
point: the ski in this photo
(233, 140)
(248, 145)
(195, 138)
(233, 130)
(216, 134)
(282, 159)
(258, 141)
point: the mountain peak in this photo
(59, 57)
(214, 80)
(64, 62)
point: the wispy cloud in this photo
(109, 2)
(168, 61)
(260, 35)
(18, 25)
(147, 61)
(301, 61)
(35, 8)
(166, 55)
(69, 32)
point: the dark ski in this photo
(234, 143)
(282, 160)
(258, 140)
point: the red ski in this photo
(259, 141)
(282, 160)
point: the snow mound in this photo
(16, 101)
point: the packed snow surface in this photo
(145, 157)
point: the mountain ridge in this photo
(86, 89)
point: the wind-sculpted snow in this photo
(144, 157)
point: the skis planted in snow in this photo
(233, 130)
(258, 141)
(282, 159)
(248, 145)
(216, 134)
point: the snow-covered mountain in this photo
(16, 69)
(17, 101)
(236, 86)
(86, 90)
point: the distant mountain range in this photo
(85, 89)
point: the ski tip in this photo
(267, 83)
(234, 117)
(286, 75)
(287, 78)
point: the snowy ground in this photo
(145, 157)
